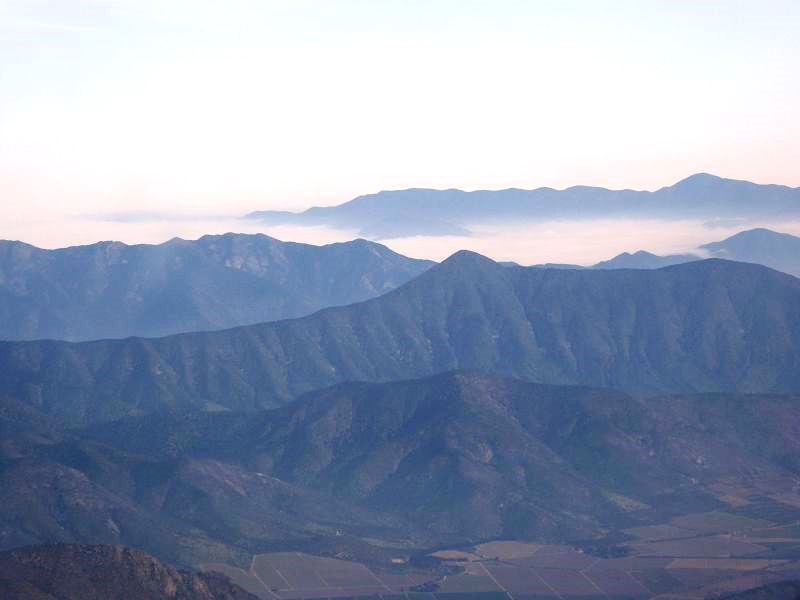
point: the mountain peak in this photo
(699, 179)
(641, 259)
(467, 256)
(758, 233)
(468, 259)
(776, 250)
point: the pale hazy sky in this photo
(216, 108)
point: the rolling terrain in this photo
(455, 458)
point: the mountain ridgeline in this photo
(111, 290)
(705, 326)
(411, 212)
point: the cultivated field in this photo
(753, 539)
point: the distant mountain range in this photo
(642, 259)
(111, 290)
(454, 458)
(705, 326)
(402, 213)
(779, 251)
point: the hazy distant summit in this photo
(419, 211)
(644, 260)
(779, 251)
(110, 289)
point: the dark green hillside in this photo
(706, 326)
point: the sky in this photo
(177, 115)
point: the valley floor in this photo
(752, 540)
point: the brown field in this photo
(659, 532)
(733, 487)
(270, 577)
(296, 569)
(506, 550)
(562, 560)
(456, 555)
(330, 593)
(735, 501)
(614, 582)
(468, 583)
(772, 540)
(699, 547)
(293, 575)
(340, 573)
(648, 562)
(792, 499)
(241, 578)
(474, 568)
(718, 522)
(519, 581)
(571, 583)
(403, 581)
(750, 580)
(733, 564)
(626, 563)
(697, 578)
(555, 549)
(790, 531)
(658, 581)
(793, 565)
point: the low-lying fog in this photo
(578, 242)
